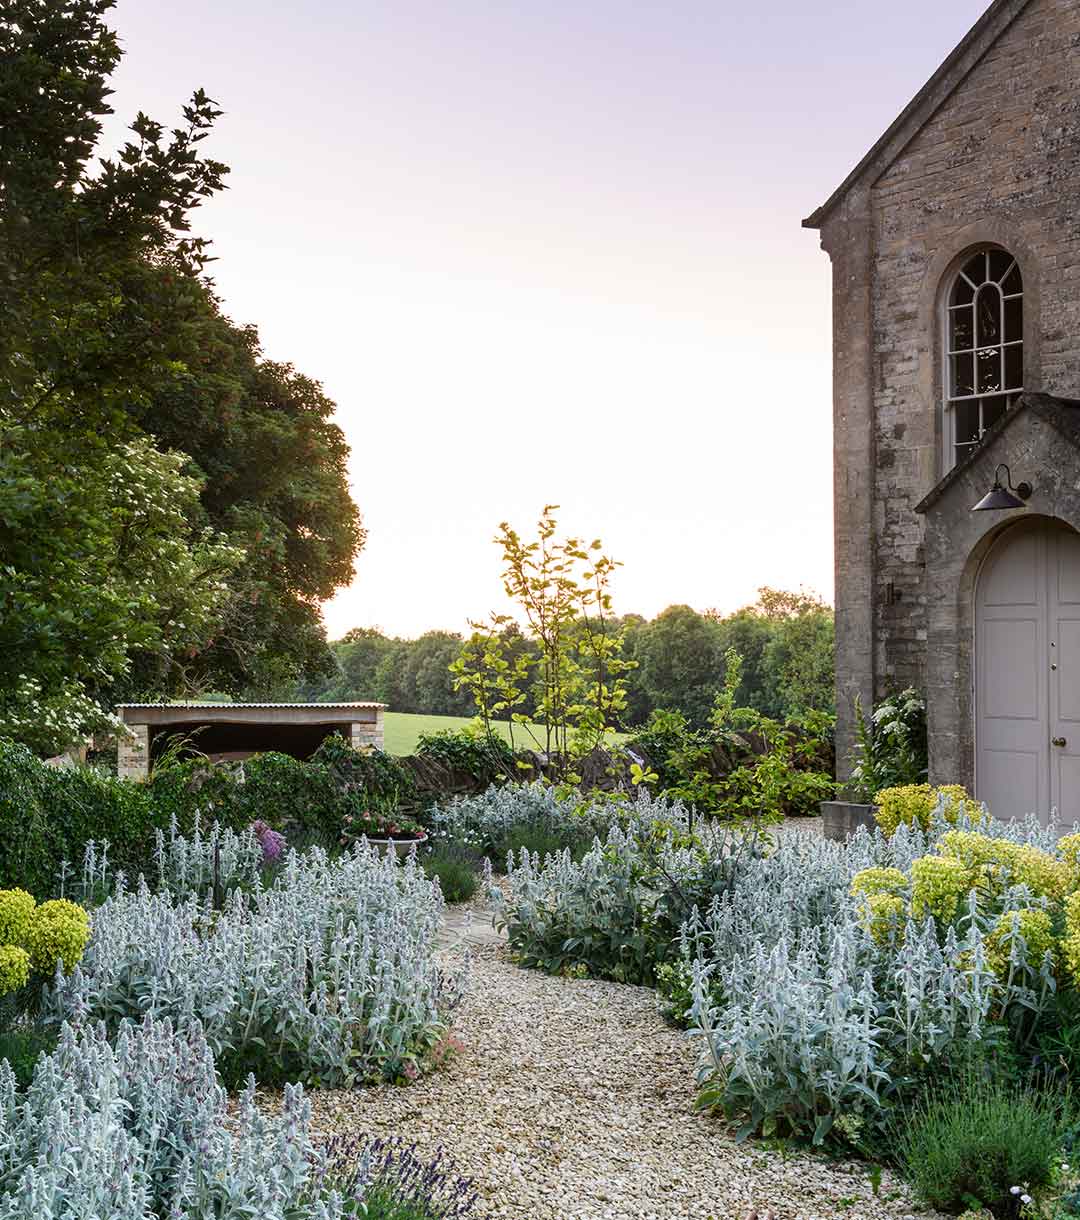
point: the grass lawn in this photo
(403, 730)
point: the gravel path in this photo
(572, 1100)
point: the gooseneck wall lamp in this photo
(1003, 495)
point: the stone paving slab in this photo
(470, 926)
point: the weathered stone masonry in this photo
(988, 153)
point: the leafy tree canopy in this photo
(784, 641)
(173, 505)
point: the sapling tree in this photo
(563, 590)
(495, 680)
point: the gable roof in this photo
(967, 53)
(1062, 414)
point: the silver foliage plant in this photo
(806, 1020)
(803, 1018)
(194, 864)
(328, 975)
(617, 911)
(188, 866)
(581, 897)
(487, 819)
(136, 1127)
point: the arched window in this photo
(984, 367)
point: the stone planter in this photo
(401, 846)
(842, 818)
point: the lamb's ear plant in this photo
(328, 975)
(818, 1022)
(618, 910)
(137, 1127)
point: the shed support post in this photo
(133, 752)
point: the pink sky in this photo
(547, 252)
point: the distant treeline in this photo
(785, 640)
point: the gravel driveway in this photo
(572, 1100)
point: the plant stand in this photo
(840, 819)
(401, 846)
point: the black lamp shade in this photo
(998, 497)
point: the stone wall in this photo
(369, 732)
(998, 162)
(133, 752)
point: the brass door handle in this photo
(1058, 741)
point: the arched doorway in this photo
(1027, 673)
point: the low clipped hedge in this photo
(48, 814)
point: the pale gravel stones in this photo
(573, 1100)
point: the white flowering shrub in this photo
(136, 1127)
(328, 975)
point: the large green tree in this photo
(680, 663)
(109, 334)
(276, 483)
(798, 661)
(99, 563)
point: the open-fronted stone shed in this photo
(238, 730)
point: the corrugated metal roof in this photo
(199, 706)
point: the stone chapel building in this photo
(955, 247)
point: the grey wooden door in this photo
(1063, 556)
(1012, 670)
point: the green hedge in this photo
(47, 815)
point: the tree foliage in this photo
(171, 504)
(276, 483)
(99, 562)
(563, 589)
(786, 671)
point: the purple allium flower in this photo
(273, 843)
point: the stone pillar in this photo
(848, 236)
(368, 732)
(133, 752)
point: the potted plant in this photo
(890, 751)
(386, 831)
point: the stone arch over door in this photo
(1040, 441)
(1027, 671)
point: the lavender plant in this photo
(395, 1183)
(136, 1128)
(328, 975)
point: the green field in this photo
(403, 730)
